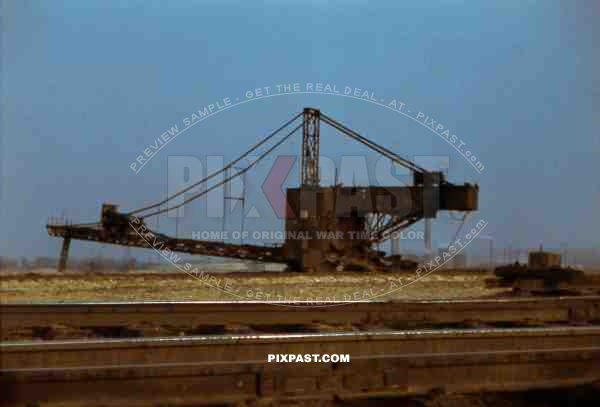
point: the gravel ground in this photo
(76, 286)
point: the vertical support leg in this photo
(431, 204)
(428, 248)
(64, 254)
(395, 245)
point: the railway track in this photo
(396, 314)
(234, 368)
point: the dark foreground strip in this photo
(395, 314)
(228, 369)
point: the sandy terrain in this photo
(46, 285)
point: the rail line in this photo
(234, 368)
(396, 313)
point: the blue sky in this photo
(88, 85)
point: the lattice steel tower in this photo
(310, 147)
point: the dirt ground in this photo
(46, 285)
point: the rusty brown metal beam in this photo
(299, 384)
(190, 246)
(398, 313)
(209, 370)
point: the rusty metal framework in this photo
(311, 127)
(430, 193)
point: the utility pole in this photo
(157, 226)
(491, 260)
(565, 254)
(241, 198)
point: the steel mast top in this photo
(310, 147)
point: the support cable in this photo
(374, 146)
(214, 174)
(237, 174)
(464, 219)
